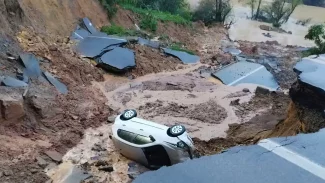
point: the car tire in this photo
(128, 114)
(176, 130)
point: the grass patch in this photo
(178, 47)
(158, 15)
(119, 31)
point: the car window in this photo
(125, 135)
(140, 140)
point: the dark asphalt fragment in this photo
(186, 58)
(95, 45)
(62, 88)
(12, 82)
(118, 58)
(31, 64)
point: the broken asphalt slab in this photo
(31, 64)
(62, 88)
(298, 159)
(95, 45)
(232, 51)
(13, 82)
(79, 34)
(146, 42)
(86, 23)
(186, 58)
(246, 72)
(311, 71)
(118, 58)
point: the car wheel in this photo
(129, 114)
(176, 130)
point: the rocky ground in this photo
(46, 134)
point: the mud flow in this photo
(57, 106)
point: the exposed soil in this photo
(209, 112)
(151, 60)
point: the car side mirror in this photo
(151, 138)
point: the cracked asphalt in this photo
(296, 159)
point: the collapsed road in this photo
(279, 160)
(50, 129)
(108, 50)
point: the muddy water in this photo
(248, 30)
(131, 95)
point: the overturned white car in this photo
(149, 143)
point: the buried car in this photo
(151, 144)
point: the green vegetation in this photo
(316, 33)
(158, 15)
(110, 6)
(211, 11)
(178, 47)
(149, 22)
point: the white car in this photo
(151, 144)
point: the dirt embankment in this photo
(43, 119)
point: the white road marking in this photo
(107, 38)
(78, 35)
(293, 157)
(250, 73)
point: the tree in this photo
(252, 4)
(316, 33)
(258, 9)
(279, 11)
(210, 11)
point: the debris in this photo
(118, 58)
(62, 88)
(147, 96)
(41, 162)
(153, 44)
(246, 72)
(261, 91)
(1, 174)
(106, 168)
(8, 173)
(205, 75)
(111, 119)
(11, 109)
(33, 170)
(97, 147)
(232, 51)
(186, 58)
(246, 90)
(235, 102)
(54, 155)
(31, 64)
(12, 82)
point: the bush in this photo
(113, 29)
(178, 47)
(149, 22)
(110, 6)
(172, 6)
(210, 11)
(316, 33)
(158, 15)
